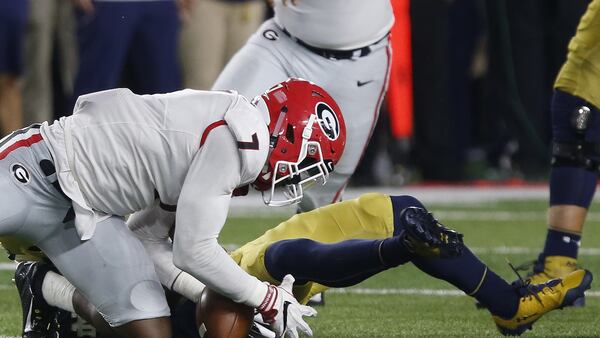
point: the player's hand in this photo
(260, 329)
(283, 312)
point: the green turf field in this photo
(380, 306)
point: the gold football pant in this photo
(367, 217)
(580, 74)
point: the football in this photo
(220, 317)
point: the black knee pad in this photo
(584, 155)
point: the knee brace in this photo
(581, 154)
(578, 152)
(575, 163)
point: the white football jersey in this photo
(336, 24)
(119, 151)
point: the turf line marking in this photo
(515, 250)
(416, 292)
(474, 215)
(7, 267)
(499, 250)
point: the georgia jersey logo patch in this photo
(270, 34)
(20, 173)
(328, 121)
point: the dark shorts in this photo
(141, 36)
(13, 17)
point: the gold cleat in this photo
(550, 267)
(553, 267)
(539, 299)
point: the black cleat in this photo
(424, 236)
(39, 318)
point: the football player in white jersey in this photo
(165, 159)
(340, 44)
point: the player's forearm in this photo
(214, 267)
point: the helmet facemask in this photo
(292, 178)
(307, 138)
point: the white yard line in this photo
(253, 205)
(385, 291)
(7, 266)
(500, 250)
(505, 215)
(419, 292)
(510, 250)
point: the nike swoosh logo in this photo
(360, 83)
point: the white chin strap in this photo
(292, 193)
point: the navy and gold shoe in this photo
(546, 268)
(539, 299)
(424, 236)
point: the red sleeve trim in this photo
(21, 143)
(209, 129)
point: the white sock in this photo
(57, 291)
(188, 286)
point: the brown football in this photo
(222, 317)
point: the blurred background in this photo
(469, 91)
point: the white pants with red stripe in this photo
(358, 86)
(112, 269)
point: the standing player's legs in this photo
(576, 151)
(216, 31)
(244, 19)
(260, 64)
(202, 43)
(358, 86)
(153, 48)
(13, 16)
(37, 80)
(103, 42)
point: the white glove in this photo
(260, 329)
(283, 312)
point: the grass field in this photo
(403, 302)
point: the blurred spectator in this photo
(50, 24)
(112, 32)
(215, 30)
(527, 44)
(13, 14)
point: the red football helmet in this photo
(308, 135)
